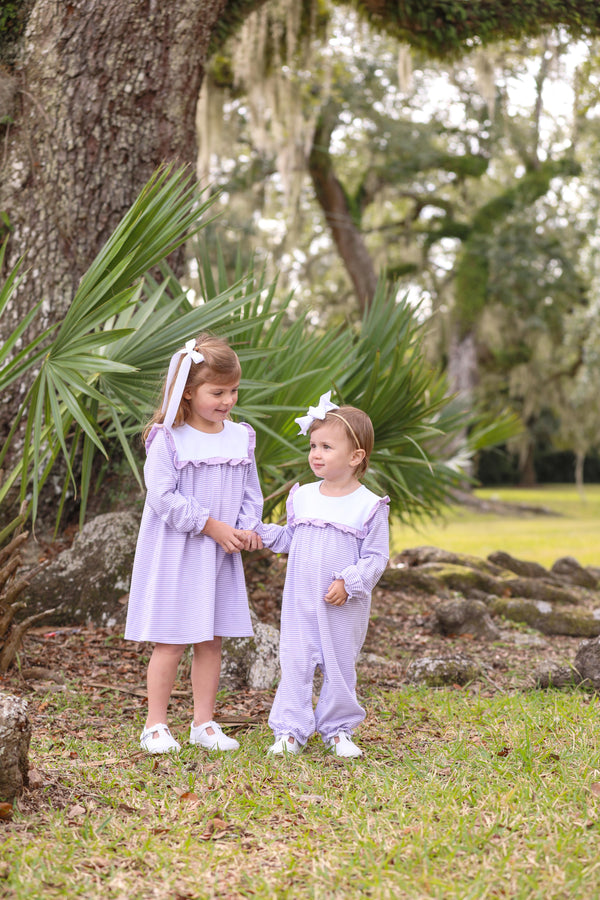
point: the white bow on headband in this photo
(171, 405)
(316, 412)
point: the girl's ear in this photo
(357, 457)
(187, 394)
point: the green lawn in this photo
(575, 532)
(460, 797)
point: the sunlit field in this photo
(575, 531)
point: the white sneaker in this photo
(215, 741)
(284, 745)
(164, 742)
(344, 746)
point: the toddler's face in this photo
(210, 404)
(333, 455)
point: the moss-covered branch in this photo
(446, 28)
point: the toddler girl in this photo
(338, 544)
(187, 583)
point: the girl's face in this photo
(210, 404)
(333, 455)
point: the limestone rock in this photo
(419, 556)
(457, 616)
(554, 675)
(15, 734)
(436, 671)
(570, 570)
(547, 618)
(89, 580)
(252, 661)
(518, 566)
(587, 663)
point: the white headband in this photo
(316, 412)
(170, 406)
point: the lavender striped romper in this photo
(184, 587)
(326, 538)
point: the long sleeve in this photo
(360, 578)
(250, 514)
(278, 538)
(183, 514)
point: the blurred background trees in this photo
(471, 183)
(446, 156)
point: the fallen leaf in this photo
(189, 797)
(76, 811)
(595, 788)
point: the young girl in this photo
(338, 544)
(203, 493)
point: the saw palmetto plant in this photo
(93, 376)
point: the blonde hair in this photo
(358, 427)
(220, 366)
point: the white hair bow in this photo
(316, 412)
(172, 398)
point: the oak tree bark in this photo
(96, 95)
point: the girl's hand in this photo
(336, 594)
(228, 537)
(252, 540)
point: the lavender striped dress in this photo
(326, 538)
(184, 587)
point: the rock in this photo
(459, 616)
(419, 556)
(518, 566)
(587, 663)
(15, 734)
(440, 572)
(442, 578)
(408, 580)
(553, 675)
(523, 639)
(371, 659)
(547, 618)
(568, 569)
(436, 671)
(89, 580)
(253, 661)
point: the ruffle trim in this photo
(339, 526)
(211, 460)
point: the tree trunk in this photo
(345, 232)
(462, 367)
(579, 464)
(527, 473)
(99, 94)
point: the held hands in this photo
(252, 540)
(337, 593)
(231, 539)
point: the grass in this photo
(575, 531)
(460, 795)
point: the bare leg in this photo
(162, 671)
(206, 669)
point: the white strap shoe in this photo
(158, 739)
(215, 741)
(344, 746)
(285, 743)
